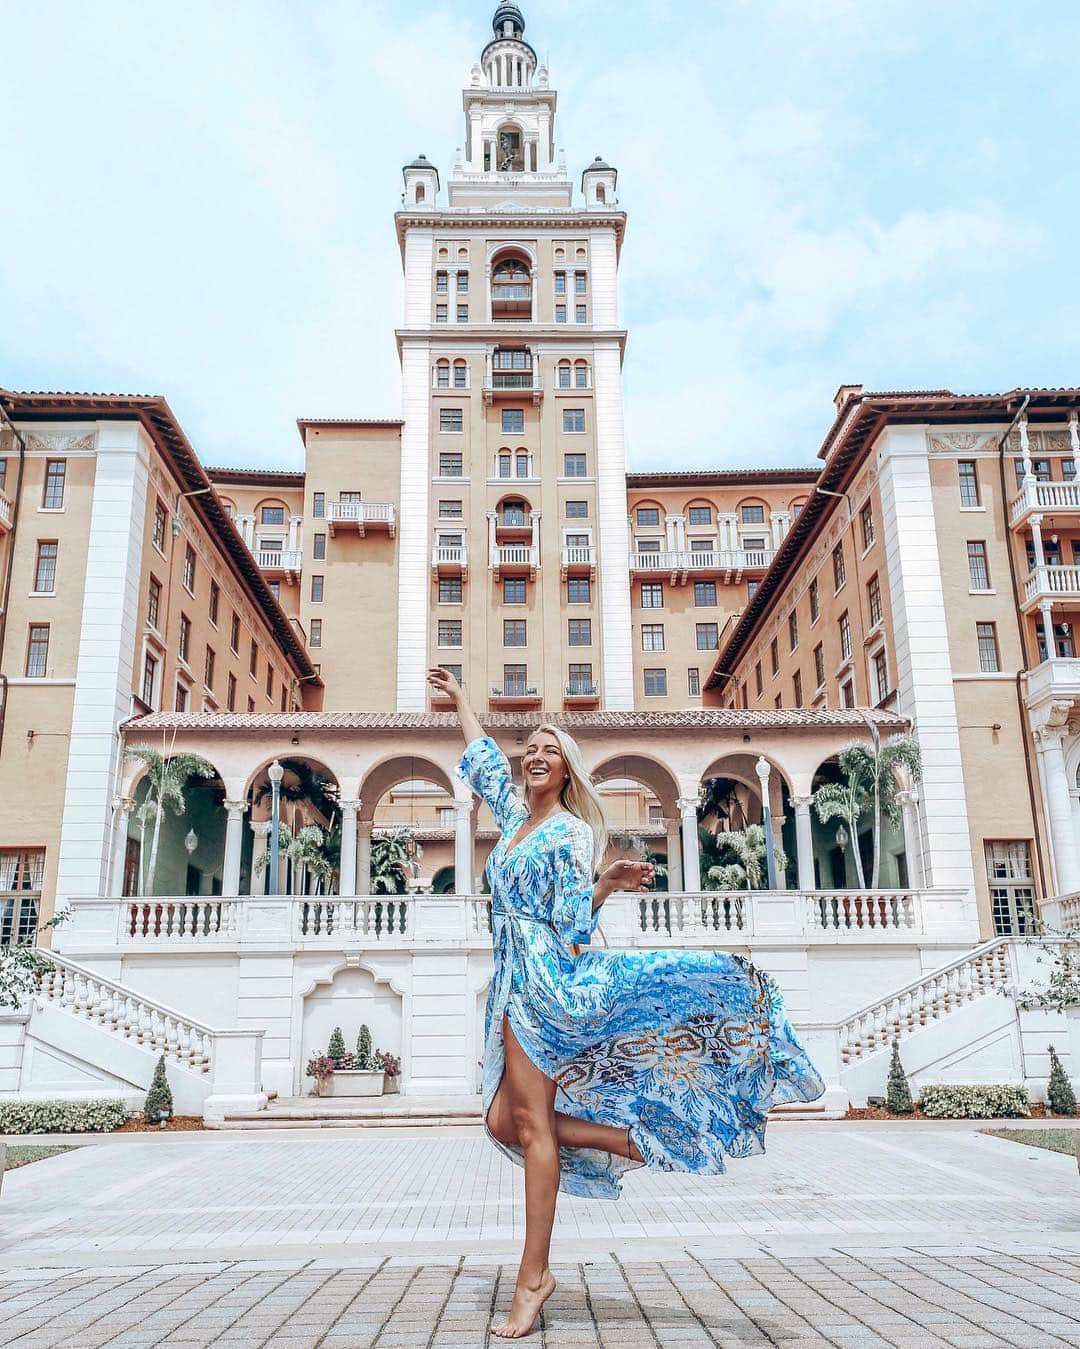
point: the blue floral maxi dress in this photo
(688, 1049)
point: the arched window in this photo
(442, 375)
(511, 151)
(511, 290)
(515, 515)
(564, 374)
(581, 374)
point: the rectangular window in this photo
(251, 701)
(450, 465)
(450, 419)
(969, 482)
(317, 589)
(560, 283)
(648, 545)
(269, 680)
(442, 283)
(318, 547)
(513, 590)
(774, 656)
(230, 693)
(652, 636)
(655, 683)
(866, 517)
(847, 694)
(449, 631)
(704, 594)
(1068, 470)
(55, 476)
(37, 651)
(274, 588)
(581, 678)
(189, 569)
(284, 698)
(581, 375)
(580, 314)
(693, 682)
(253, 659)
(315, 632)
(839, 574)
(514, 632)
(462, 282)
(978, 568)
(759, 683)
(318, 505)
(707, 636)
(513, 421)
(440, 313)
(1012, 893)
(989, 657)
(573, 466)
(819, 665)
(580, 283)
(793, 630)
(463, 313)
(515, 680)
(234, 634)
(753, 515)
(796, 688)
(273, 515)
(461, 375)
(648, 516)
(149, 679)
(215, 601)
(449, 589)
(778, 701)
(184, 646)
(573, 419)
(880, 667)
(579, 631)
(560, 313)
(450, 510)
(180, 702)
(577, 510)
(652, 595)
(701, 515)
(160, 522)
(873, 600)
(45, 567)
(153, 602)
(845, 636)
(815, 601)
(208, 668)
(578, 590)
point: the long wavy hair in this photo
(578, 795)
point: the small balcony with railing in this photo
(348, 514)
(512, 372)
(581, 692)
(6, 513)
(578, 560)
(280, 562)
(1039, 497)
(514, 559)
(450, 559)
(1050, 584)
(515, 691)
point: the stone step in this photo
(265, 1120)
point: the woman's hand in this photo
(626, 875)
(442, 681)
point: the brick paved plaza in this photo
(842, 1235)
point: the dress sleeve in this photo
(485, 768)
(572, 914)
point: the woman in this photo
(661, 1058)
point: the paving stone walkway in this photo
(845, 1236)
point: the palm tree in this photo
(847, 800)
(389, 864)
(748, 845)
(719, 799)
(166, 779)
(305, 848)
(307, 784)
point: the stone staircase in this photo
(313, 1112)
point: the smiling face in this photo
(542, 764)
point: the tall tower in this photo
(513, 533)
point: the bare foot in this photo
(525, 1307)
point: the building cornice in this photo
(564, 334)
(561, 218)
(728, 477)
(256, 477)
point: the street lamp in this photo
(275, 773)
(762, 768)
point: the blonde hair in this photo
(578, 795)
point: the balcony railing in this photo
(1052, 583)
(512, 379)
(582, 688)
(362, 515)
(5, 512)
(513, 557)
(1035, 496)
(578, 560)
(449, 559)
(515, 690)
(682, 563)
(509, 290)
(279, 559)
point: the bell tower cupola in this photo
(508, 62)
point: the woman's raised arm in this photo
(444, 682)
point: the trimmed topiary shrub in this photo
(336, 1048)
(897, 1092)
(159, 1102)
(996, 1101)
(364, 1059)
(61, 1117)
(1060, 1096)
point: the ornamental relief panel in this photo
(51, 442)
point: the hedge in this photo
(61, 1117)
(996, 1101)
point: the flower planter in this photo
(393, 1085)
(352, 1083)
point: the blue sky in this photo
(199, 201)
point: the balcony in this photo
(581, 693)
(5, 512)
(514, 559)
(280, 562)
(1044, 498)
(728, 564)
(362, 516)
(578, 561)
(1053, 679)
(515, 693)
(513, 526)
(512, 384)
(1051, 583)
(450, 560)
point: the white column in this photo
(674, 855)
(234, 837)
(261, 831)
(534, 516)
(729, 532)
(124, 806)
(476, 142)
(363, 857)
(492, 545)
(294, 533)
(804, 840)
(1048, 741)
(691, 858)
(1025, 448)
(414, 584)
(1045, 610)
(463, 848)
(347, 881)
(912, 842)
(781, 525)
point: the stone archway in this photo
(349, 998)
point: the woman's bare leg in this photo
(532, 1109)
(569, 1131)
